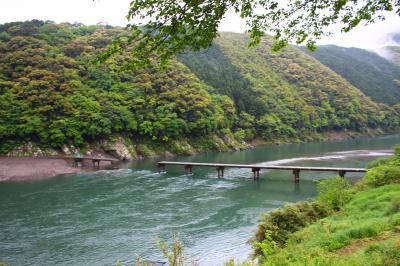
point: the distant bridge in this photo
(255, 168)
(95, 160)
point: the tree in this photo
(169, 27)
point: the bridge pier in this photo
(296, 173)
(188, 169)
(161, 168)
(255, 168)
(256, 174)
(96, 161)
(220, 171)
(78, 160)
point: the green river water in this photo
(100, 217)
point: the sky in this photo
(113, 12)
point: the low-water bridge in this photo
(95, 160)
(255, 168)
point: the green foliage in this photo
(363, 232)
(397, 151)
(377, 253)
(268, 246)
(275, 95)
(145, 151)
(381, 175)
(387, 160)
(51, 93)
(372, 74)
(395, 205)
(174, 253)
(334, 192)
(232, 262)
(384, 171)
(366, 216)
(276, 226)
(171, 27)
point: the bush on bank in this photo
(345, 225)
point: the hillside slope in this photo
(287, 92)
(53, 95)
(372, 74)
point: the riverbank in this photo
(30, 162)
(345, 225)
(29, 168)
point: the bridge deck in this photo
(255, 168)
(95, 160)
(260, 166)
(91, 158)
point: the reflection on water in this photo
(98, 218)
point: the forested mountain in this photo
(288, 93)
(369, 72)
(52, 94)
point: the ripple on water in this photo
(99, 217)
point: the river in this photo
(100, 217)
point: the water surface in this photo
(101, 217)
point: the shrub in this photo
(363, 231)
(394, 206)
(280, 223)
(383, 253)
(174, 253)
(397, 150)
(334, 192)
(268, 246)
(145, 151)
(380, 161)
(382, 175)
(232, 262)
(240, 134)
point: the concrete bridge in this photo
(95, 160)
(255, 168)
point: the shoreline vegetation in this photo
(31, 163)
(347, 224)
(53, 97)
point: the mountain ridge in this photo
(369, 72)
(219, 98)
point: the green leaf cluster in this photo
(167, 28)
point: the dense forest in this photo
(52, 93)
(287, 93)
(373, 75)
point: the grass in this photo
(362, 227)
(367, 217)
